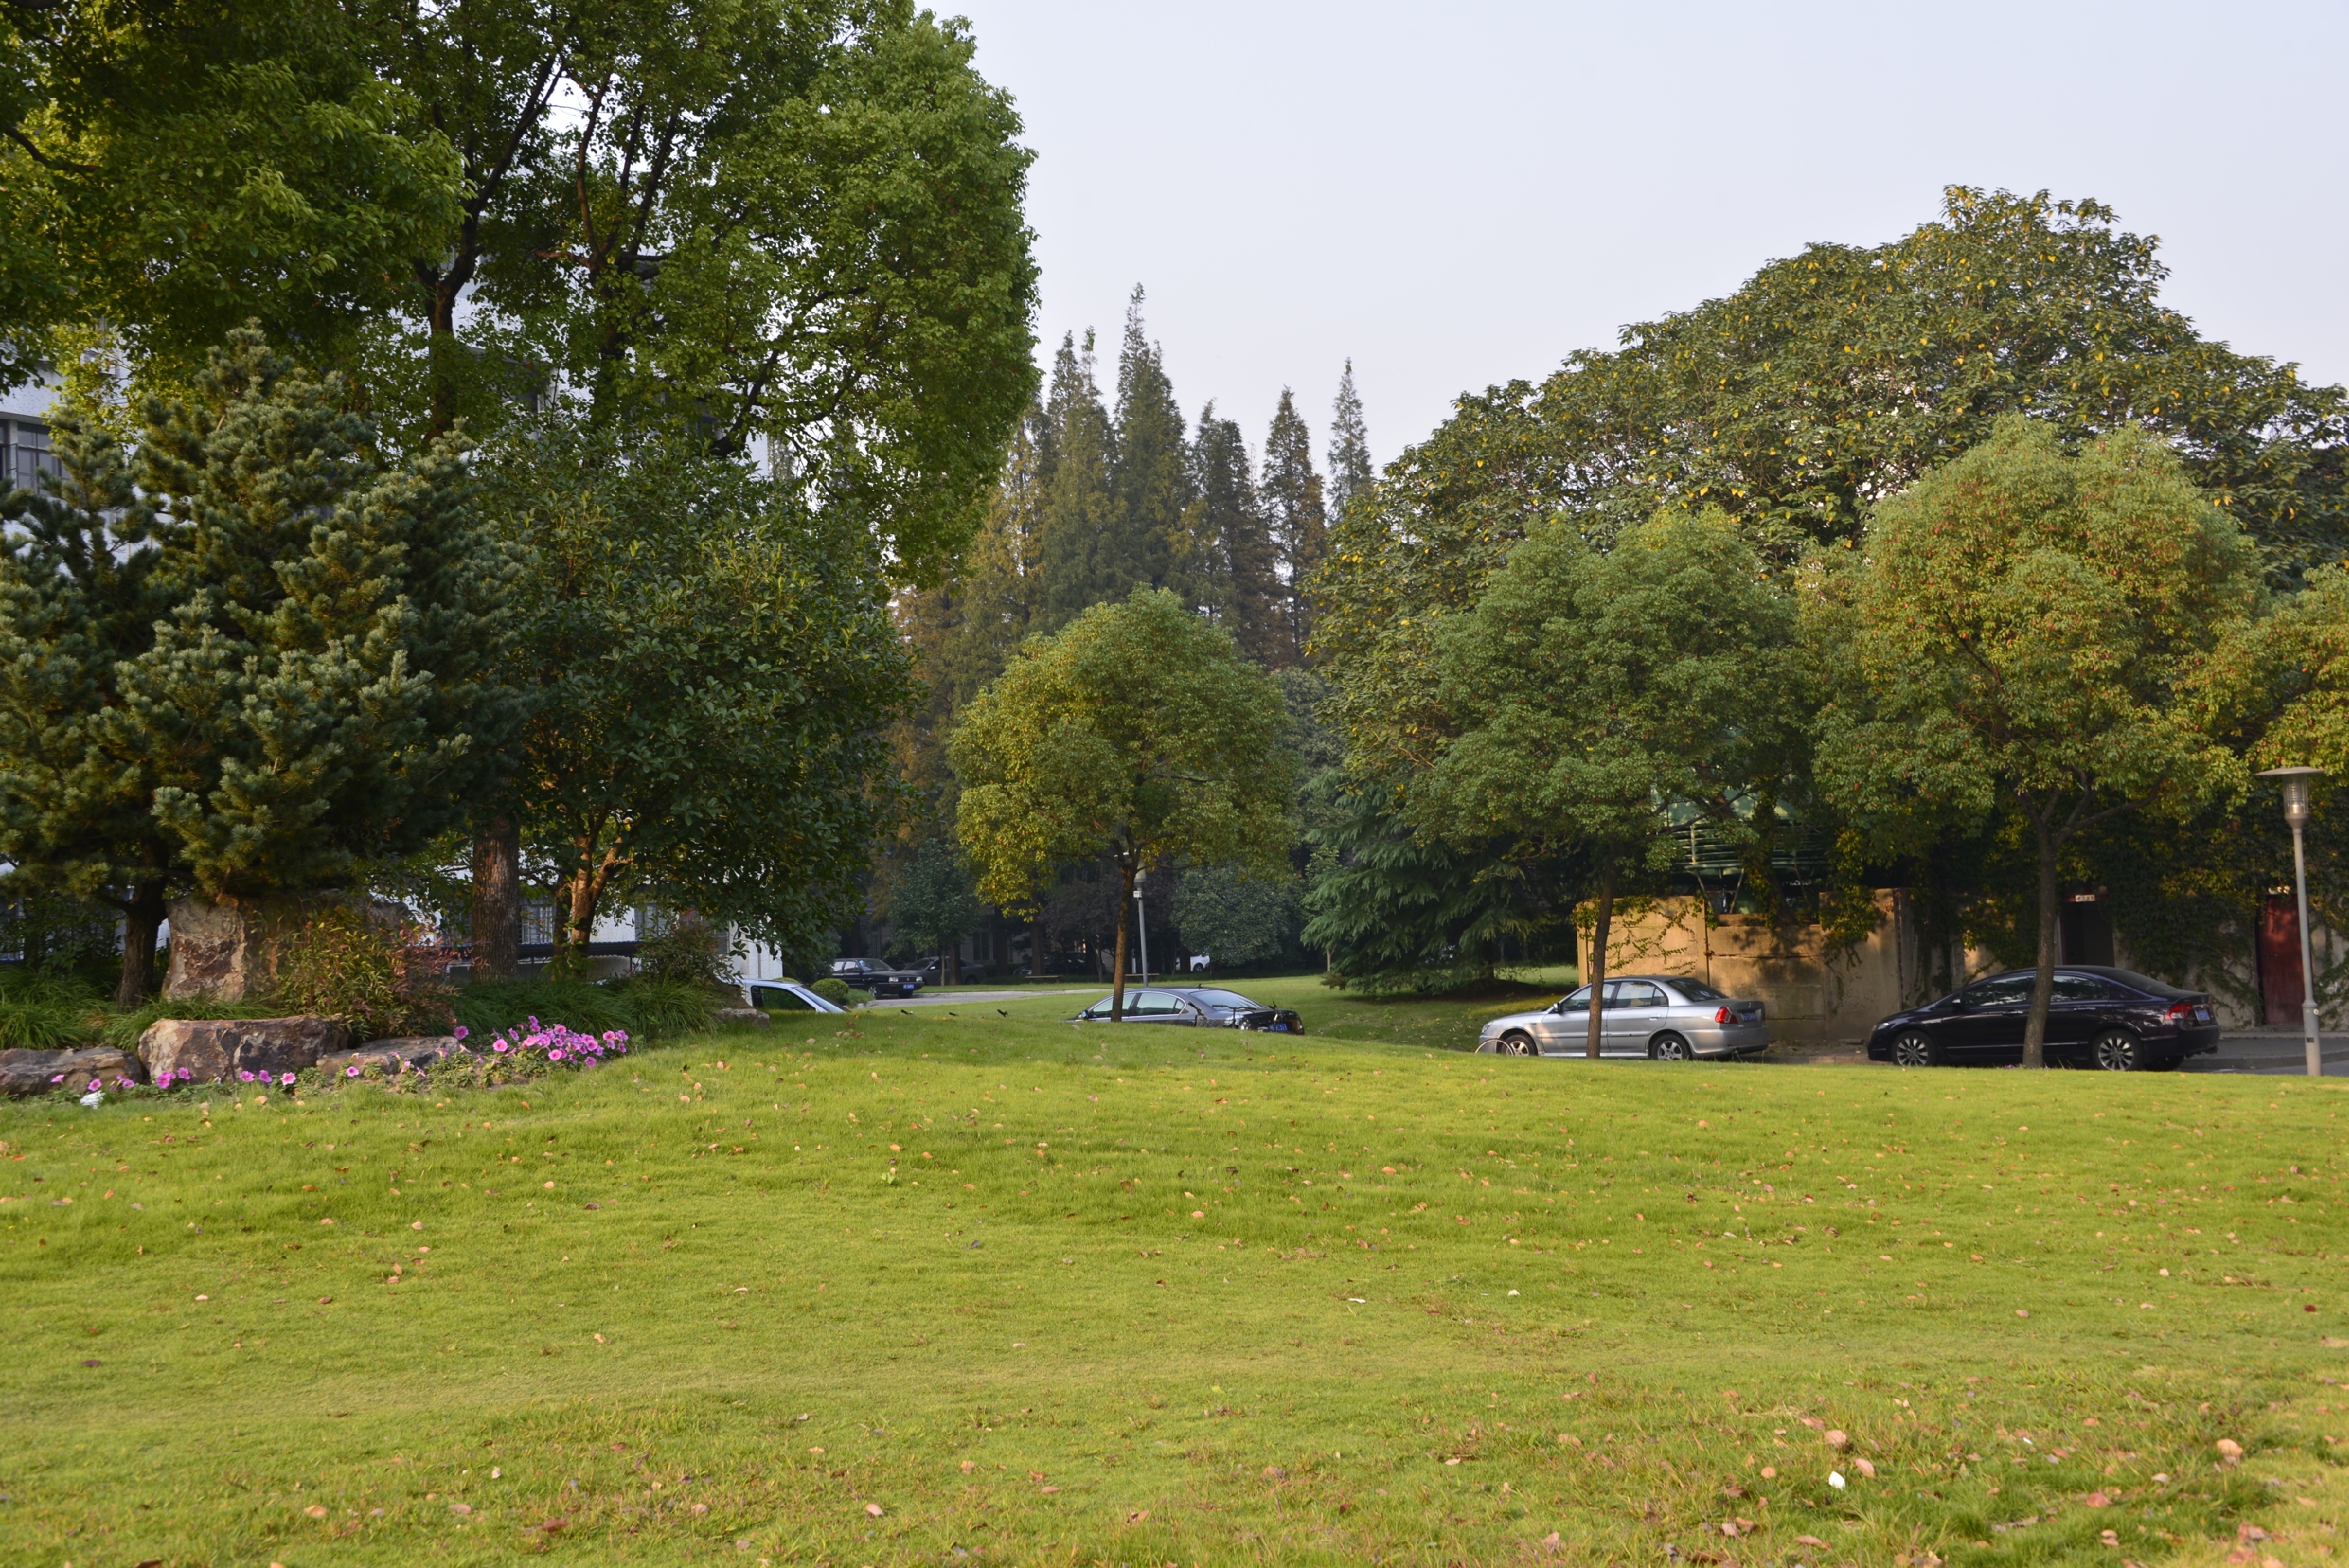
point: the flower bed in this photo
(511, 1056)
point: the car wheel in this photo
(1915, 1050)
(1514, 1044)
(1671, 1048)
(2117, 1051)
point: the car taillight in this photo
(2179, 1012)
(1723, 1015)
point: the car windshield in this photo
(1697, 991)
(1221, 998)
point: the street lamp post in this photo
(1142, 927)
(2296, 812)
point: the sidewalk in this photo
(2268, 1052)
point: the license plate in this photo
(2201, 1014)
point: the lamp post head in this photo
(2295, 792)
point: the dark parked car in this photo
(2098, 1017)
(878, 978)
(1205, 1006)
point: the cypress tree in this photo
(1074, 453)
(1291, 497)
(1150, 537)
(1350, 473)
(1234, 574)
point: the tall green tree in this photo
(1151, 534)
(1076, 460)
(1137, 735)
(713, 672)
(1589, 692)
(1231, 575)
(933, 906)
(1291, 496)
(177, 171)
(2048, 631)
(251, 657)
(1351, 471)
(1827, 382)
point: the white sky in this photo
(1458, 194)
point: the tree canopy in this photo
(2043, 629)
(1138, 735)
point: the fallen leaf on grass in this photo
(1835, 1439)
(1864, 1468)
(874, 1508)
(1137, 1516)
(315, 1511)
(2097, 1500)
(1808, 1540)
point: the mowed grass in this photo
(1159, 1295)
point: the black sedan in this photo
(2103, 1018)
(1205, 1006)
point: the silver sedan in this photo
(1666, 1017)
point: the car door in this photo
(2082, 1005)
(1565, 1029)
(1989, 1027)
(1155, 1007)
(1634, 1009)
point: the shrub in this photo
(838, 994)
(44, 1010)
(382, 978)
(647, 1009)
(692, 951)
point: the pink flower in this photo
(60, 1079)
(352, 1070)
(460, 1032)
(500, 1046)
(95, 1086)
(244, 1075)
(555, 1055)
(285, 1078)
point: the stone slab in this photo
(213, 1050)
(24, 1072)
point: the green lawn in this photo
(1164, 1296)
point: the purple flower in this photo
(460, 1032)
(244, 1075)
(534, 1022)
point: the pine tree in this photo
(1350, 473)
(1232, 572)
(250, 662)
(1291, 496)
(1149, 536)
(1075, 450)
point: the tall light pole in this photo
(1142, 927)
(2296, 812)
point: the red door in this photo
(2280, 989)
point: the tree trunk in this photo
(1597, 965)
(2043, 988)
(497, 900)
(142, 917)
(1117, 992)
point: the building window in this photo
(24, 454)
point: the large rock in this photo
(211, 1050)
(228, 950)
(25, 1072)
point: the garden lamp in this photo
(2296, 812)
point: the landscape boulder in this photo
(211, 1050)
(25, 1072)
(721, 1016)
(420, 1051)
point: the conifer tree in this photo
(1150, 534)
(1350, 473)
(1291, 497)
(246, 663)
(1232, 569)
(1076, 449)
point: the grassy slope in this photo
(1612, 1296)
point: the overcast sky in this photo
(1458, 194)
